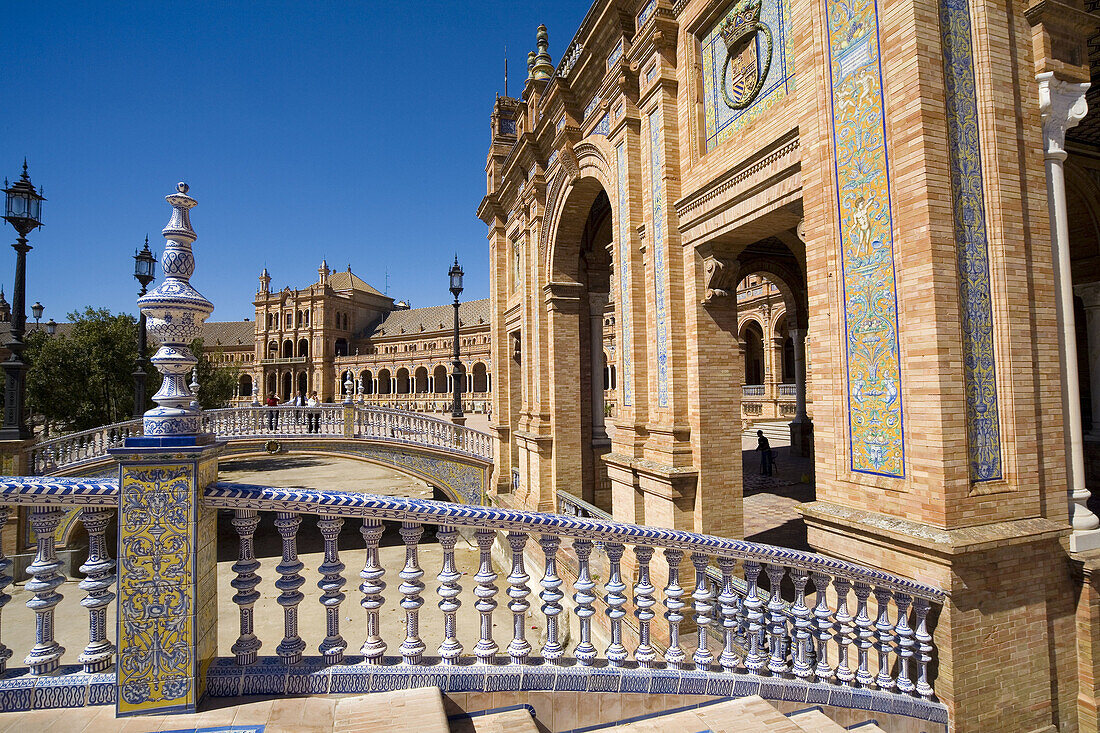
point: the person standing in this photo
(313, 417)
(299, 401)
(765, 450)
(272, 414)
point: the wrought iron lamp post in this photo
(144, 272)
(24, 213)
(36, 310)
(456, 378)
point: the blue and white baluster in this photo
(845, 630)
(803, 626)
(823, 627)
(412, 648)
(777, 622)
(372, 586)
(924, 648)
(905, 642)
(884, 632)
(704, 611)
(644, 601)
(518, 648)
(754, 618)
(291, 647)
(584, 598)
(615, 600)
(449, 589)
(551, 596)
(727, 604)
(99, 576)
(331, 585)
(486, 649)
(674, 655)
(46, 654)
(248, 644)
(5, 580)
(865, 634)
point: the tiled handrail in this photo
(76, 448)
(869, 645)
(417, 428)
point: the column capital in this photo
(1062, 105)
(1089, 293)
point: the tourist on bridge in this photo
(272, 415)
(765, 450)
(313, 417)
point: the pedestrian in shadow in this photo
(765, 449)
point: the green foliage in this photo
(217, 384)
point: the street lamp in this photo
(456, 289)
(24, 212)
(36, 311)
(51, 327)
(145, 266)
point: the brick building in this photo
(897, 171)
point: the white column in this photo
(1063, 105)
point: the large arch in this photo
(367, 377)
(420, 380)
(402, 381)
(384, 385)
(439, 379)
(288, 349)
(244, 386)
(579, 234)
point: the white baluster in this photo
(644, 601)
(551, 596)
(905, 642)
(704, 608)
(803, 624)
(924, 650)
(823, 627)
(449, 589)
(248, 644)
(486, 649)
(615, 600)
(46, 654)
(727, 602)
(291, 647)
(754, 617)
(331, 584)
(584, 598)
(99, 575)
(372, 586)
(777, 622)
(412, 648)
(845, 631)
(674, 655)
(518, 648)
(865, 634)
(5, 580)
(884, 630)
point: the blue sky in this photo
(353, 131)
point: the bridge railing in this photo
(76, 448)
(342, 420)
(843, 626)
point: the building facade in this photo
(895, 170)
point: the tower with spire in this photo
(265, 282)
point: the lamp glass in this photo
(144, 265)
(36, 310)
(51, 327)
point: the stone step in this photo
(506, 721)
(419, 710)
(815, 721)
(744, 715)
(869, 727)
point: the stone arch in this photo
(384, 386)
(367, 377)
(272, 349)
(786, 280)
(420, 380)
(480, 378)
(439, 379)
(303, 347)
(244, 386)
(288, 349)
(751, 334)
(567, 208)
(403, 385)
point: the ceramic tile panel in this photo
(657, 245)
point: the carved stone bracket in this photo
(718, 278)
(1062, 104)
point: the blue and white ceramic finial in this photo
(175, 312)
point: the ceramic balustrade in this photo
(843, 626)
(76, 448)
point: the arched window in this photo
(273, 350)
(402, 381)
(439, 379)
(288, 349)
(383, 381)
(303, 347)
(481, 378)
(341, 347)
(368, 381)
(420, 380)
(244, 387)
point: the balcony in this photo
(285, 360)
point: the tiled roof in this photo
(433, 318)
(349, 281)
(228, 333)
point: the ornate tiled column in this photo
(167, 538)
(1063, 105)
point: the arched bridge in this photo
(457, 460)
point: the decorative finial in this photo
(544, 69)
(25, 176)
(530, 65)
(175, 313)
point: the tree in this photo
(217, 384)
